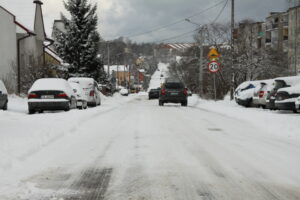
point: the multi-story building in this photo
(276, 34)
(294, 40)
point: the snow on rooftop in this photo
(54, 55)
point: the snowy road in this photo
(140, 151)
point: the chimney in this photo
(39, 28)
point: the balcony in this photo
(275, 25)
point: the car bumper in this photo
(285, 106)
(244, 102)
(173, 99)
(48, 105)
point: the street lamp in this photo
(201, 40)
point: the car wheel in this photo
(184, 104)
(5, 106)
(41, 111)
(68, 107)
(31, 111)
(160, 103)
(295, 111)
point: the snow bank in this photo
(279, 123)
(23, 135)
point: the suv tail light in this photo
(62, 95)
(92, 93)
(261, 94)
(32, 96)
(185, 92)
(163, 91)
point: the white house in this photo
(8, 49)
(22, 49)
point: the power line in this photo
(186, 33)
(173, 23)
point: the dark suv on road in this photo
(173, 92)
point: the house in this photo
(23, 50)
(8, 49)
(294, 40)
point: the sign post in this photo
(214, 67)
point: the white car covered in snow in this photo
(3, 96)
(51, 94)
(91, 89)
(261, 93)
(288, 98)
(80, 95)
(244, 93)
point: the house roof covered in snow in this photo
(178, 46)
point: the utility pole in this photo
(201, 63)
(201, 41)
(108, 60)
(232, 51)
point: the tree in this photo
(78, 44)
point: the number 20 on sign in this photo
(213, 67)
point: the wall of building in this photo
(8, 50)
(294, 41)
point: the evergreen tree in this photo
(78, 43)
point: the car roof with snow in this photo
(291, 80)
(84, 82)
(291, 90)
(52, 84)
(2, 87)
(246, 83)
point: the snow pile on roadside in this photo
(280, 123)
(33, 133)
(159, 76)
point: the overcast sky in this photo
(130, 17)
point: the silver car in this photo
(261, 93)
(3, 96)
(91, 89)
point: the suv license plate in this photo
(47, 97)
(174, 93)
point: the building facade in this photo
(294, 40)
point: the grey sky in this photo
(129, 17)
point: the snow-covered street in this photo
(130, 148)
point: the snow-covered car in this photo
(286, 98)
(282, 82)
(244, 93)
(81, 97)
(297, 103)
(91, 89)
(261, 93)
(153, 93)
(51, 94)
(3, 96)
(124, 92)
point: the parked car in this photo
(124, 92)
(154, 93)
(279, 83)
(297, 103)
(244, 93)
(189, 92)
(91, 89)
(173, 92)
(51, 94)
(261, 93)
(81, 97)
(3, 96)
(286, 98)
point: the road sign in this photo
(213, 54)
(213, 66)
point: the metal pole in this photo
(215, 87)
(232, 51)
(108, 60)
(201, 63)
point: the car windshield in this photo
(174, 85)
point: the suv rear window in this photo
(174, 85)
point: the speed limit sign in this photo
(213, 66)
